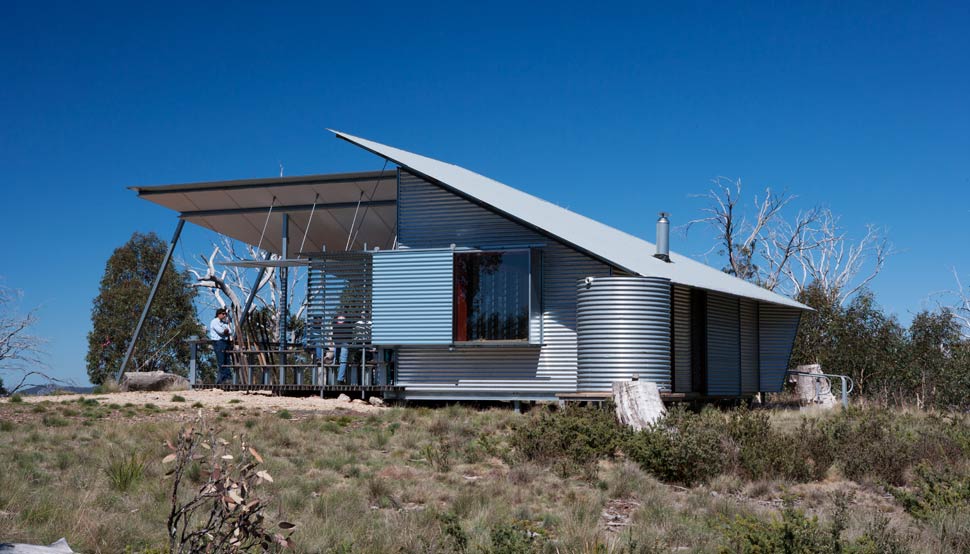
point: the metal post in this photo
(845, 393)
(194, 352)
(151, 298)
(284, 309)
(252, 295)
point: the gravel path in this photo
(218, 398)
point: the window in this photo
(491, 300)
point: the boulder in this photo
(376, 401)
(343, 398)
(153, 381)
(59, 547)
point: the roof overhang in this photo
(339, 211)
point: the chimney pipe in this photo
(663, 238)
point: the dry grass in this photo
(391, 480)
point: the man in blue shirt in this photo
(219, 333)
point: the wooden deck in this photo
(306, 389)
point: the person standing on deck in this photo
(219, 333)
(343, 333)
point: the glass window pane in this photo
(491, 296)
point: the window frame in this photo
(534, 324)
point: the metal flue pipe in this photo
(663, 237)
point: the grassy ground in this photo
(406, 480)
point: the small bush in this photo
(284, 414)
(125, 472)
(935, 490)
(54, 421)
(872, 445)
(107, 387)
(513, 538)
(198, 405)
(177, 398)
(683, 447)
(438, 455)
(795, 533)
(760, 452)
(16, 399)
(574, 438)
(6, 426)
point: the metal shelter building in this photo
(470, 289)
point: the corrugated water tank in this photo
(623, 329)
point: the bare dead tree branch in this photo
(787, 255)
(21, 353)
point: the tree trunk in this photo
(153, 381)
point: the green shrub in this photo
(935, 490)
(198, 405)
(54, 421)
(284, 414)
(683, 447)
(880, 538)
(573, 438)
(16, 399)
(177, 398)
(872, 445)
(794, 533)
(760, 452)
(513, 538)
(126, 471)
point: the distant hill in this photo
(41, 390)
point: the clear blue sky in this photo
(613, 111)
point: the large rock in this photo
(59, 547)
(376, 401)
(153, 381)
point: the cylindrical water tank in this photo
(623, 329)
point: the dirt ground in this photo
(216, 399)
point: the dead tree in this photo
(787, 255)
(21, 353)
(840, 265)
(230, 285)
(961, 304)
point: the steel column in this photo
(284, 309)
(151, 298)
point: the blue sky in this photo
(614, 110)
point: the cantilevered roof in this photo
(356, 205)
(601, 241)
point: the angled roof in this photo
(326, 209)
(601, 241)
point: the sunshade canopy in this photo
(358, 208)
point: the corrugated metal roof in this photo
(602, 241)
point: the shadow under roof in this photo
(360, 206)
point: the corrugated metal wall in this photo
(749, 346)
(778, 326)
(412, 301)
(682, 351)
(723, 345)
(431, 217)
(623, 328)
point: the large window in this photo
(491, 296)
